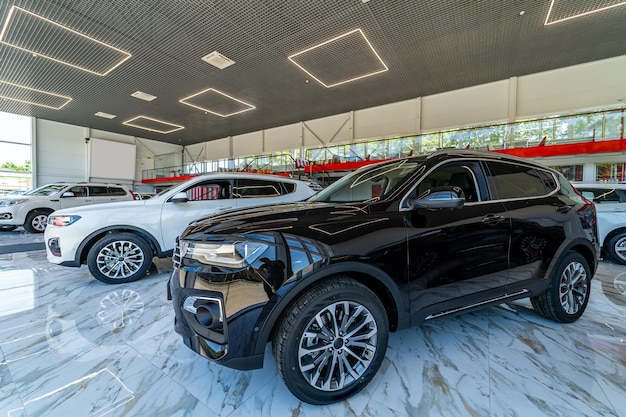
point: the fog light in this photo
(207, 310)
(53, 245)
(208, 315)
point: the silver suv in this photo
(32, 208)
(610, 201)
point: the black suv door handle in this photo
(492, 219)
(563, 209)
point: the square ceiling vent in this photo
(216, 102)
(28, 95)
(562, 10)
(345, 58)
(43, 37)
(153, 125)
(218, 60)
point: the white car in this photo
(610, 202)
(118, 241)
(32, 208)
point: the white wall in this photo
(61, 152)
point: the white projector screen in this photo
(114, 160)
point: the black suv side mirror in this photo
(440, 198)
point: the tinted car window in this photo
(97, 191)
(516, 181)
(79, 191)
(249, 188)
(603, 195)
(208, 191)
(116, 191)
(451, 175)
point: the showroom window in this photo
(611, 172)
(15, 153)
(571, 172)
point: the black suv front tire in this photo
(331, 341)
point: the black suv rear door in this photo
(538, 214)
(457, 257)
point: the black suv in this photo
(386, 247)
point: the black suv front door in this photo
(456, 256)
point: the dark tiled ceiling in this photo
(429, 46)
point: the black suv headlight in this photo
(233, 255)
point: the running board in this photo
(490, 301)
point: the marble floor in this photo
(73, 346)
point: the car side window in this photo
(452, 175)
(98, 191)
(209, 191)
(249, 188)
(509, 181)
(79, 191)
(116, 191)
(603, 195)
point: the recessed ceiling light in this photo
(152, 124)
(303, 58)
(143, 96)
(29, 95)
(574, 16)
(218, 60)
(105, 115)
(208, 94)
(40, 36)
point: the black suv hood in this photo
(292, 217)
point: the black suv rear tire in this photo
(567, 295)
(331, 341)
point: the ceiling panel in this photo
(428, 47)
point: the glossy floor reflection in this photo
(72, 346)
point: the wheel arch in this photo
(384, 287)
(581, 246)
(90, 240)
(612, 234)
(46, 210)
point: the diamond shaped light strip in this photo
(555, 4)
(344, 53)
(152, 125)
(43, 37)
(207, 93)
(28, 95)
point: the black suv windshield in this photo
(370, 183)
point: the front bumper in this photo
(62, 245)
(210, 341)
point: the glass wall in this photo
(15, 153)
(554, 130)
(571, 172)
(611, 172)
